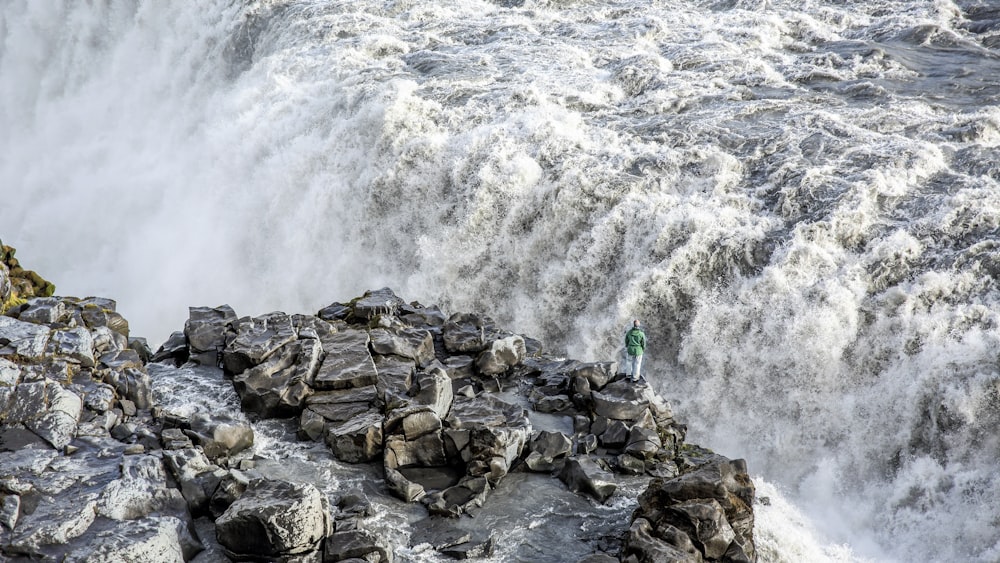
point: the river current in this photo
(800, 199)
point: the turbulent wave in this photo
(799, 198)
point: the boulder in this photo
(466, 496)
(402, 487)
(620, 401)
(348, 361)
(357, 440)
(458, 367)
(140, 346)
(553, 404)
(501, 355)
(25, 340)
(10, 508)
(586, 444)
(582, 474)
(415, 344)
(375, 303)
(119, 360)
(98, 312)
(231, 487)
(57, 423)
(546, 447)
(419, 423)
(435, 391)
(489, 434)
(197, 476)
(10, 373)
(597, 374)
(280, 386)
(615, 436)
(274, 520)
(338, 405)
(642, 545)
(174, 350)
(46, 408)
(357, 544)
(28, 400)
(630, 465)
(439, 533)
(220, 434)
(425, 451)
(643, 443)
(43, 311)
(704, 522)
(334, 312)
(394, 380)
(132, 384)
(175, 439)
(465, 333)
(310, 327)
(205, 332)
(256, 340)
(106, 341)
(419, 316)
(479, 546)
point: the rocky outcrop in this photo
(17, 285)
(442, 406)
(705, 514)
(402, 385)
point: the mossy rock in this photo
(12, 302)
(24, 283)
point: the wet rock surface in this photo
(444, 408)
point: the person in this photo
(635, 345)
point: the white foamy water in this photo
(799, 198)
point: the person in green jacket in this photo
(635, 345)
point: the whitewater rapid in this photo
(799, 198)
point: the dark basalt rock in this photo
(356, 544)
(710, 505)
(219, 434)
(174, 350)
(583, 474)
(411, 343)
(348, 361)
(205, 332)
(256, 340)
(274, 521)
(280, 386)
(467, 333)
(501, 355)
(374, 303)
(356, 440)
(546, 448)
(325, 407)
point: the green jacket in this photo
(635, 341)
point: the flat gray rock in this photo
(348, 361)
(19, 338)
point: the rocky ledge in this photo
(91, 469)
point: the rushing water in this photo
(799, 198)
